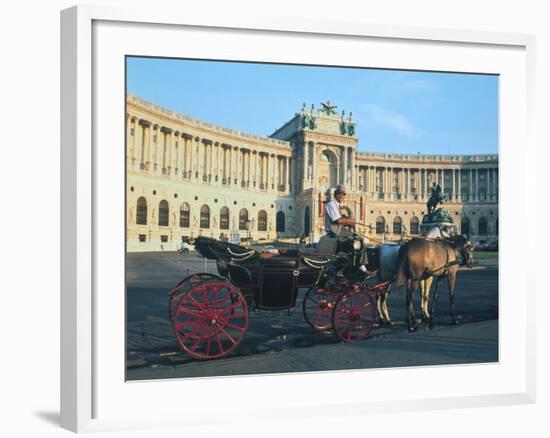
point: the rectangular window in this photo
(164, 238)
(142, 238)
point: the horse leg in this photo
(425, 286)
(451, 278)
(379, 309)
(434, 302)
(386, 313)
(411, 321)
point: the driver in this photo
(337, 225)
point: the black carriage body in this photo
(273, 280)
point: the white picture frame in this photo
(93, 396)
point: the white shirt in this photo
(332, 213)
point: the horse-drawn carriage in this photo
(210, 313)
(347, 288)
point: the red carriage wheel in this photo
(210, 320)
(185, 286)
(353, 316)
(317, 307)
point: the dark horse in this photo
(437, 197)
(422, 258)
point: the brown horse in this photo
(423, 258)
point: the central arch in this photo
(328, 169)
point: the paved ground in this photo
(277, 342)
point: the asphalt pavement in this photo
(283, 342)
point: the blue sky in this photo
(396, 111)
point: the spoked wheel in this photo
(317, 307)
(210, 320)
(185, 286)
(353, 316)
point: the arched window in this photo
(414, 225)
(224, 218)
(397, 225)
(141, 213)
(262, 220)
(243, 219)
(163, 213)
(465, 226)
(205, 216)
(280, 222)
(482, 226)
(380, 225)
(184, 215)
(307, 222)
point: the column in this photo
(146, 143)
(408, 183)
(220, 163)
(390, 172)
(402, 192)
(189, 156)
(314, 164)
(227, 164)
(443, 181)
(344, 166)
(267, 173)
(368, 182)
(459, 194)
(161, 141)
(471, 188)
(130, 139)
(287, 174)
(154, 147)
(248, 157)
(305, 157)
(212, 176)
(177, 154)
(168, 147)
(453, 196)
(477, 185)
(276, 172)
(139, 138)
(425, 194)
(352, 168)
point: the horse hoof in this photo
(431, 323)
(456, 321)
(412, 328)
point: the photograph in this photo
(291, 218)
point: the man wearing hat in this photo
(337, 225)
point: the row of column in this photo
(164, 151)
(346, 164)
(392, 183)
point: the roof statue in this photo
(328, 108)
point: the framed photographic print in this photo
(260, 210)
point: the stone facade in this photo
(186, 177)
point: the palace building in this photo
(187, 177)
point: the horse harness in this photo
(446, 243)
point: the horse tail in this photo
(401, 267)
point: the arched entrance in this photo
(328, 169)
